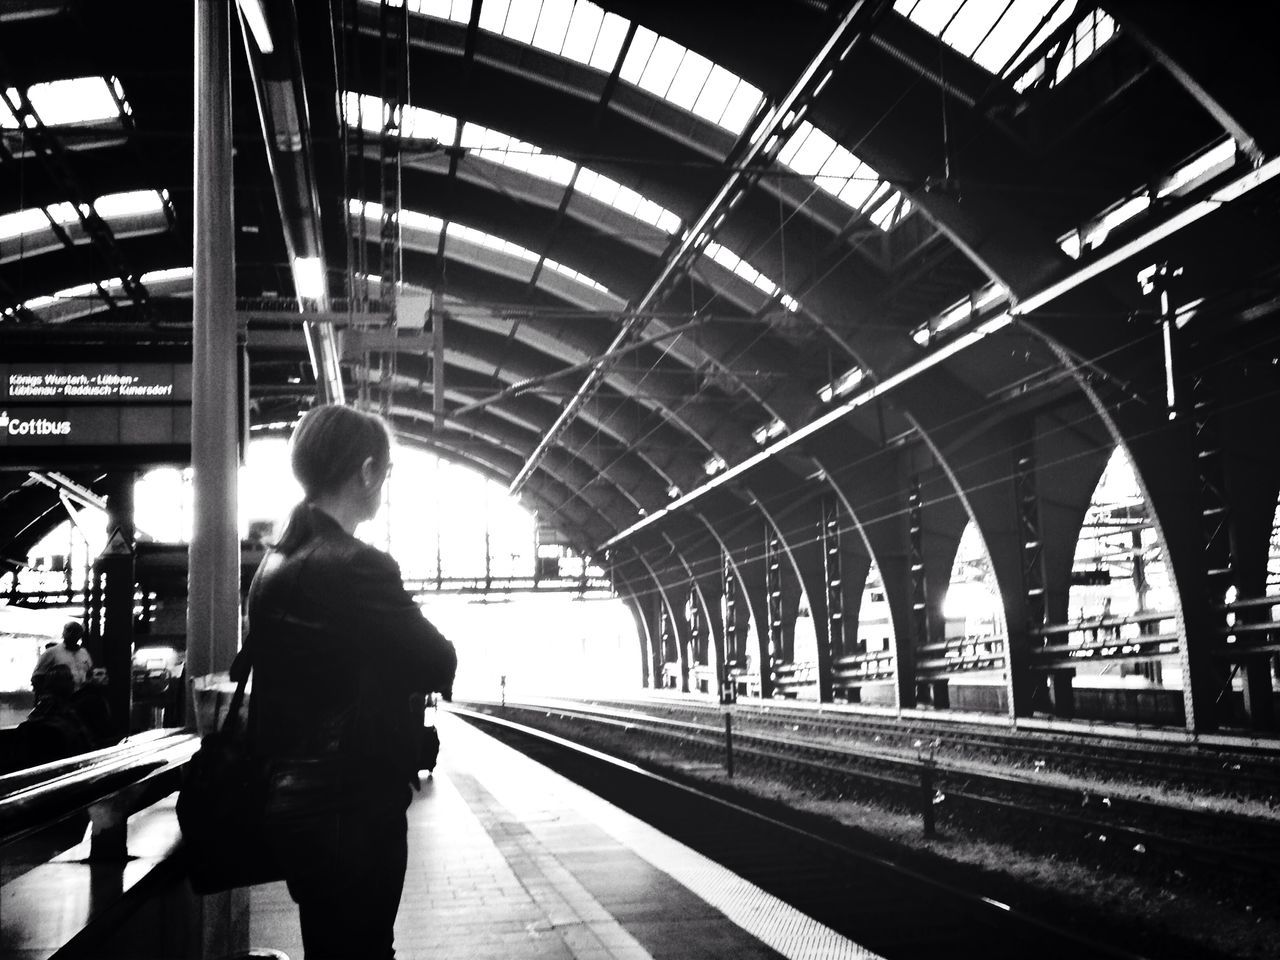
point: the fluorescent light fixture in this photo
(714, 464)
(128, 204)
(256, 20)
(840, 386)
(308, 278)
(673, 492)
(765, 433)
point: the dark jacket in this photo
(341, 656)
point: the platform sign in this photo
(55, 411)
(95, 383)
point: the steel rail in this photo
(982, 915)
(1010, 793)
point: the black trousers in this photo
(343, 848)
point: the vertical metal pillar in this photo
(833, 576)
(393, 28)
(773, 598)
(1219, 563)
(115, 651)
(733, 653)
(919, 584)
(1031, 550)
(213, 609)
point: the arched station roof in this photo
(774, 244)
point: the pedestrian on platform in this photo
(341, 659)
(70, 653)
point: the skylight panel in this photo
(813, 151)
(661, 67)
(714, 96)
(1207, 164)
(740, 268)
(22, 222)
(580, 36)
(970, 27)
(553, 25)
(493, 15)
(63, 213)
(433, 8)
(613, 31)
(838, 172)
(166, 276)
(638, 55)
(837, 169)
(860, 186)
(990, 32)
(79, 100)
(687, 84)
(7, 120)
(522, 20)
(129, 204)
(932, 15)
(742, 107)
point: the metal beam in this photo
(755, 151)
(280, 90)
(977, 331)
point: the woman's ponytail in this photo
(300, 528)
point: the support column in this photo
(919, 582)
(116, 568)
(213, 610)
(1031, 550)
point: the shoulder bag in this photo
(222, 804)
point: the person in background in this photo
(341, 659)
(70, 653)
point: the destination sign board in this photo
(80, 410)
(65, 426)
(95, 382)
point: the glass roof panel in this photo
(686, 86)
(584, 27)
(812, 153)
(661, 68)
(128, 204)
(638, 54)
(714, 96)
(426, 222)
(522, 20)
(932, 15)
(111, 206)
(613, 30)
(80, 100)
(990, 32)
(970, 27)
(742, 107)
(493, 15)
(22, 222)
(553, 24)
(498, 147)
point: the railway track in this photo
(893, 909)
(1075, 818)
(1240, 773)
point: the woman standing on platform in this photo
(341, 659)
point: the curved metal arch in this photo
(715, 432)
(632, 481)
(738, 361)
(483, 350)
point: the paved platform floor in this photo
(510, 860)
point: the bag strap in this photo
(241, 667)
